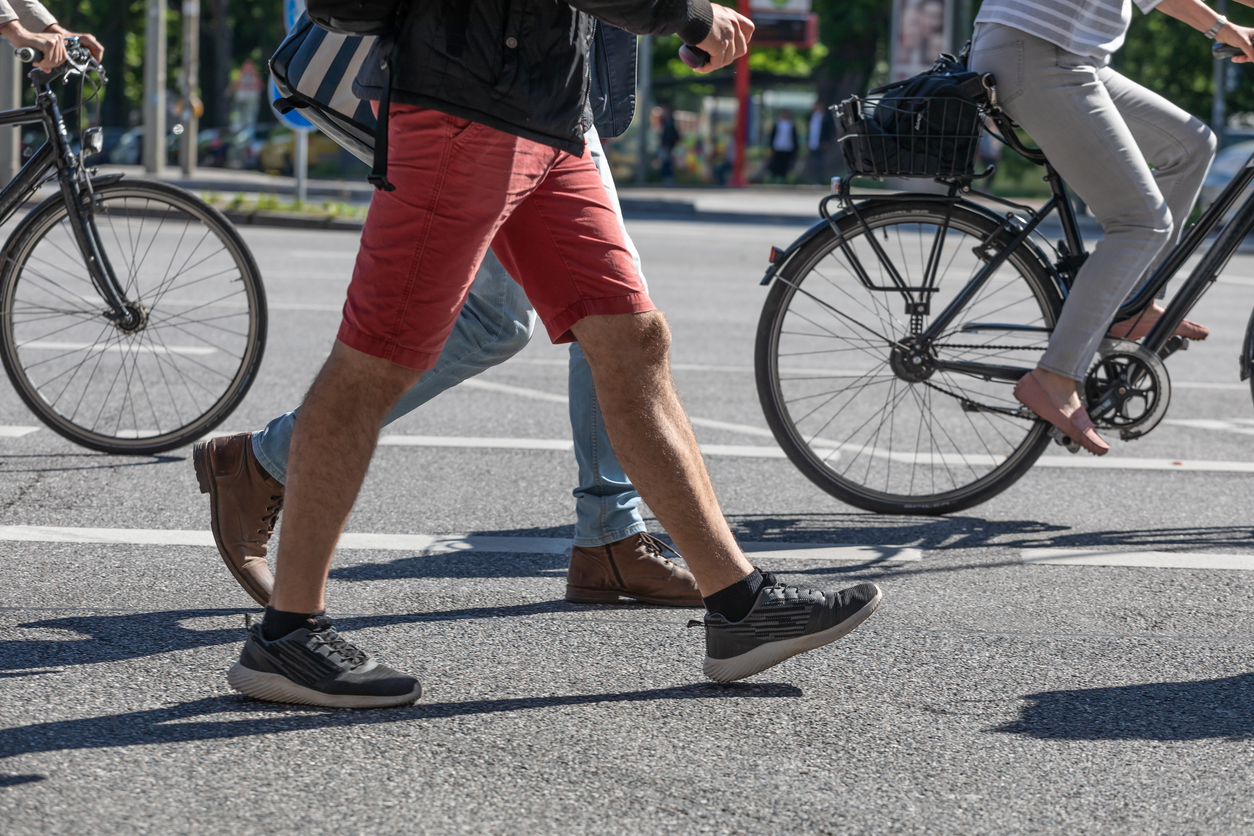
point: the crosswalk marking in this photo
(443, 543)
(1140, 559)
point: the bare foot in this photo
(1140, 325)
(1061, 390)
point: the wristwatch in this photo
(1220, 23)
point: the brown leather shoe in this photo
(632, 568)
(244, 504)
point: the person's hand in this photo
(1240, 37)
(48, 42)
(86, 40)
(728, 38)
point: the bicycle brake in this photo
(1064, 440)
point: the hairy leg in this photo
(630, 359)
(331, 450)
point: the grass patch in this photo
(273, 203)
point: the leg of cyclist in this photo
(1180, 147)
(1060, 99)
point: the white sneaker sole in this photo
(276, 688)
(768, 655)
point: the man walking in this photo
(613, 555)
(783, 142)
(487, 148)
(818, 142)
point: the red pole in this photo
(738, 178)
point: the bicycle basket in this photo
(909, 136)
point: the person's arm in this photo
(1202, 17)
(28, 23)
(721, 32)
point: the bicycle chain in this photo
(989, 347)
(979, 407)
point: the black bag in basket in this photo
(925, 126)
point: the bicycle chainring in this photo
(1127, 389)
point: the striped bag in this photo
(314, 69)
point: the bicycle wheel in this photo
(882, 427)
(162, 384)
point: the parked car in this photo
(278, 155)
(130, 148)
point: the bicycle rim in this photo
(870, 429)
(165, 383)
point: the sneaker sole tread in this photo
(273, 687)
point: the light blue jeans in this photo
(494, 325)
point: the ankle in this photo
(278, 623)
(734, 602)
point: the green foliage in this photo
(1171, 58)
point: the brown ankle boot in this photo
(633, 568)
(244, 505)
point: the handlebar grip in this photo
(1222, 51)
(694, 57)
(29, 55)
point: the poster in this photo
(922, 30)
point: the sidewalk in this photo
(754, 204)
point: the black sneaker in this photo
(784, 621)
(317, 666)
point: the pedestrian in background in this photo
(670, 137)
(783, 146)
(818, 142)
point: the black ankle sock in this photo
(734, 602)
(278, 624)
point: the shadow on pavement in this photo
(950, 533)
(1202, 709)
(104, 461)
(457, 565)
(179, 723)
(112, 638)
(15, 780)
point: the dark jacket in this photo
(520, 66)
(612, 97)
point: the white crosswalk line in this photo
(1140, 559)
(16, 430)
(441, 543)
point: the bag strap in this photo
(379, 171)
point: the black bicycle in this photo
(895, 329)
(133, 318)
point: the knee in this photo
(629, 341)
(512, 338)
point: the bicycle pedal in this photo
(1064, 440)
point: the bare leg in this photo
(1061, 390)
(630, 359)
(331, 450)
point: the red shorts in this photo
(461, 186)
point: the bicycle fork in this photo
(128, 316)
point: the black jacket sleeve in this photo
(691, 19)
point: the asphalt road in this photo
(989, 695)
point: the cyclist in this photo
(1102, 132)
(28, 23)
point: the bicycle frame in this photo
(57, 153)
(1020, 230)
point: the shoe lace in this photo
(351, 654)
(271, 517)
(655, 547)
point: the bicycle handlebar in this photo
(1221, 51)
(78, 59)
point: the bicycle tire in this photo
(188, 390)
(813, 455)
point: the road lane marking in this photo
(773, 452)
(1147, 560)
(115, 348)
(441, 543)
(16, 431)
(539, 395)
